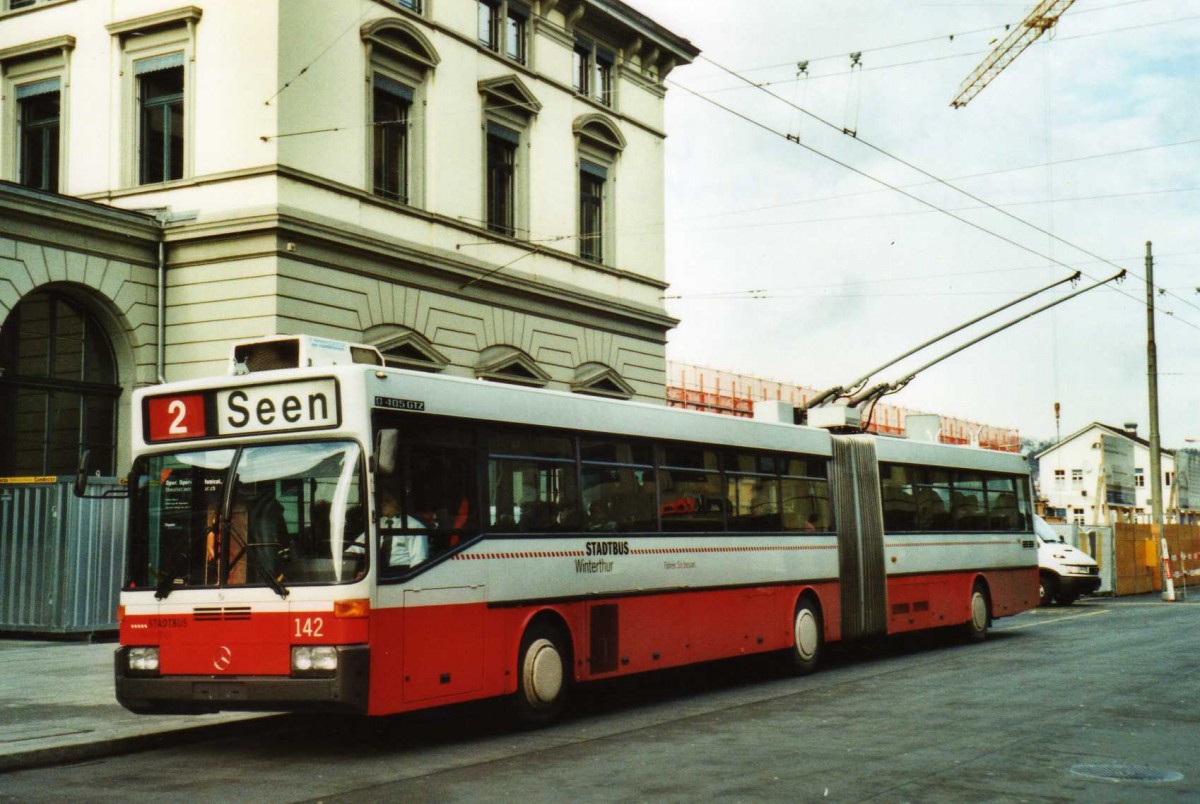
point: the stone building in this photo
(475, 186)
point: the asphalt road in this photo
(1096, 702)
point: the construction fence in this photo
(1138, 558)
(1128, 555)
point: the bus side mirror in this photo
(386, 443)
(81, 474)
(81, 481)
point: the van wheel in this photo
(981, 615)
(806, 639)
(543, 667)
(1066, 600)
(1047, 589)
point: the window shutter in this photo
(158, 63)
(391, 87)
(593, 169)
(45, 87)
(506, 134)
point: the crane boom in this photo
(1040, 20)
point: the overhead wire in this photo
(318, 57)
(981, 174)
(938, 38)
(891, 186)
(933, 177)
(947, 57)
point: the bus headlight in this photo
(314, 660)
(143, 659)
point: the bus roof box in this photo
(298, 351)
(772, 410)
(925, 427)
(838, 418)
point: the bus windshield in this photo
(274, 516)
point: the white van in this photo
(1065, 572)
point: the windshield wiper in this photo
(276, 585)
(166, 584)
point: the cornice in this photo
(41, 46)
(175, 16)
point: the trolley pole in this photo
(1156, 506)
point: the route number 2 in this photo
(309, 627)
(179, 411)
(172, 418)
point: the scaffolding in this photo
(715, 391)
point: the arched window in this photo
(58, 388)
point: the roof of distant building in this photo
(1107, 428)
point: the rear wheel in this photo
(981, 615)
(807, 638)
(543, 668)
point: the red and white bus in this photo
(350, 537)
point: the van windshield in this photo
(271, 516)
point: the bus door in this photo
(443, 641)
(859, 518)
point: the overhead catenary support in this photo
(885, 388)
(1156, 506)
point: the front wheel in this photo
(807, 639)
(977, 626)
(543, 669)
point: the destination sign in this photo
(271, 408)
(278, 407)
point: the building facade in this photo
(1082, 482)
(474, 186)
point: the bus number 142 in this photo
(309, 627)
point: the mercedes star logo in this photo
(223, 658)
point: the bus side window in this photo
(899, 505)
(439, 495)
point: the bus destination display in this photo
(277, 407)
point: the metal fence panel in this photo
(61, 557)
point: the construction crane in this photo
(1040, 20)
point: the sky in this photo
(796, 262)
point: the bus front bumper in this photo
(344, 691)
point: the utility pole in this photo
(1156, 504)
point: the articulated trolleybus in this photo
(318, 531)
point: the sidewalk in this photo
(57, 705)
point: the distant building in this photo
(474, 186)
(1100, 474)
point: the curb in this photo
(117, 746)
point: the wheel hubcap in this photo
(806, 634)
(978, 611)
(543, 673)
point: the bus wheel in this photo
(976, 627)
(542, 676)
(806, 638)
